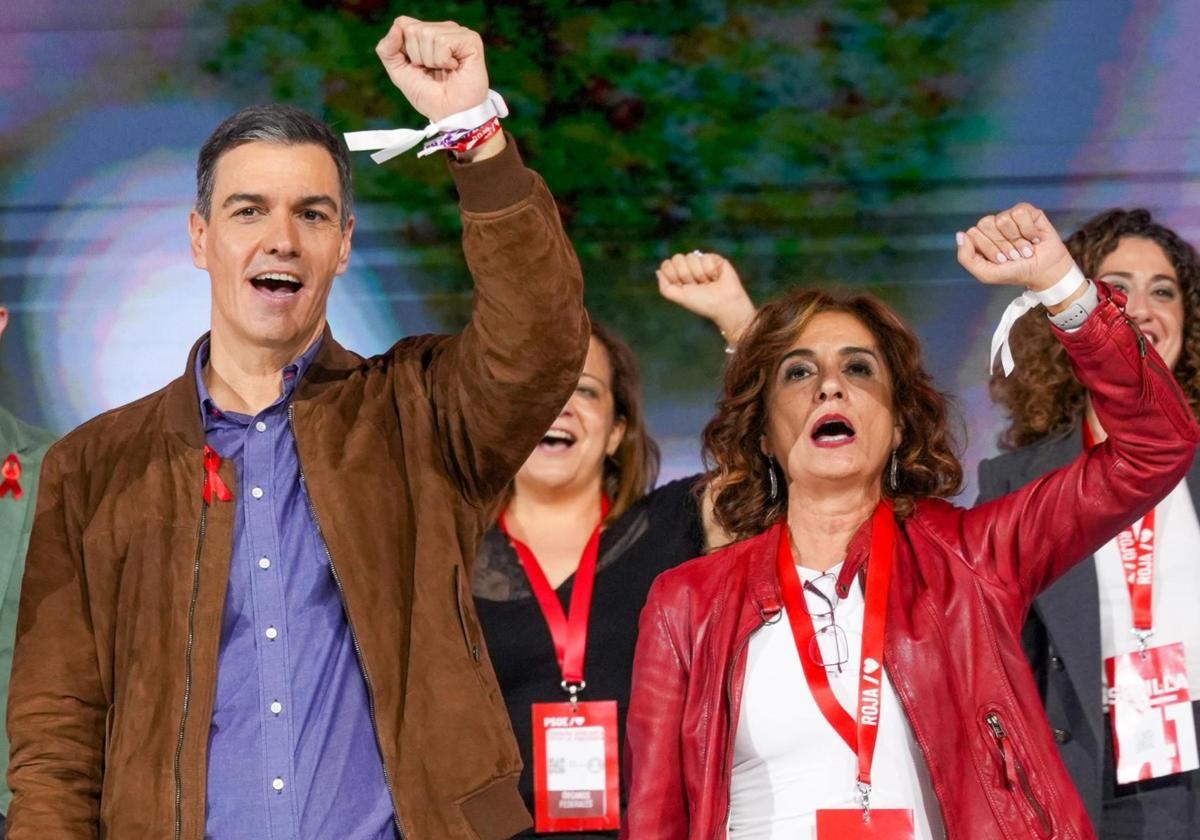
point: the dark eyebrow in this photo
(306, 201)
(310, 200)
(250, 198)
(803, 353)
(853, 351)
(1126, 275)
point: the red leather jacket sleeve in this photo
(657, 808)
(1027, 539)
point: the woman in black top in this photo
(595, 465)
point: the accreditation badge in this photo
(857, 824)
(1154, 733)
(576, 785)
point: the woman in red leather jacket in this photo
(853, 667)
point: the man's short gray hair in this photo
(282, 124)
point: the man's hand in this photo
(707, 285)
(439, 67)
(1016, 247)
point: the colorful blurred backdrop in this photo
(834, 141)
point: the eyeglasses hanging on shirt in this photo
(829, 648)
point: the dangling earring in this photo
(892, 476)
(774, 480)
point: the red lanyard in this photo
(860, 735)
(1135, 545)
(569, 633)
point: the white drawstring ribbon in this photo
(397, 141)
(1056, 294)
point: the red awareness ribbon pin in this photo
(213, 485)
(11, 471)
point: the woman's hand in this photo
(1016, 247)
(707, 285)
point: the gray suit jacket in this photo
(1062, 633)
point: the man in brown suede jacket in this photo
(245, 612)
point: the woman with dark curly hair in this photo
(1086, 617)
(853, 667)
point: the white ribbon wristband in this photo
(397, 141)
(1063, 289)
(1056, 294)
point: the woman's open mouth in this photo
(833, 430)
(556, 441)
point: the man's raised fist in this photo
(439, 67)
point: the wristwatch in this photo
(1073, 316)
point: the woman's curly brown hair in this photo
(738, 477)
(1042, 396)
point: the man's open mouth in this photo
(277, 284)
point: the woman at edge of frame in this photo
(830, 455)
(1084, 617)
(598, 447)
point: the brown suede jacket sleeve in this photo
(498, 385)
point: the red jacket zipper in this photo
(1015, 778)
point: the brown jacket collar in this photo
(182, 403)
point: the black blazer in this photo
(1062, 633)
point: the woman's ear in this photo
(897, 436)
(615, 436)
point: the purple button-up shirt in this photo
(292, 753)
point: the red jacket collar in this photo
(857, 553)
(762, 580)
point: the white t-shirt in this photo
(1176, 597)
(788, 761)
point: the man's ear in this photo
(344, 248)
(197, 228)
(3, 319)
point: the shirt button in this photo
(278, 783)
(264, 562)
(276, 707)
(1062, 736)
(271, 632)
(261, 426)
(257, 492)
